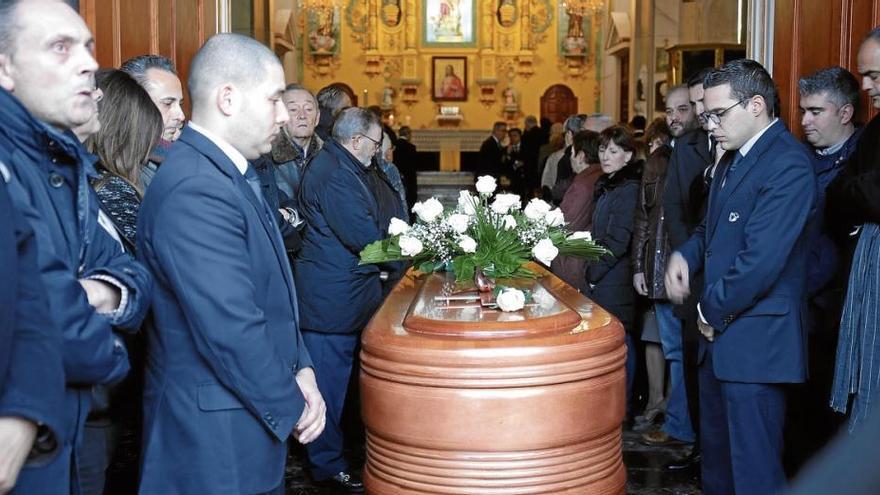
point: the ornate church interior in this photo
(445, 75)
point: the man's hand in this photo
(677, 278)
(314, 416)
(639, 284)
(706, 330)
(16, 440)
(104, 297)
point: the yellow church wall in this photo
(381, 44)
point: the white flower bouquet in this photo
(495, 235)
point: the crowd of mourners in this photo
(193, 285)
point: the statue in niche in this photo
(391, 12)
(506, 12)
(387, 98)
(511, 100)
(575, 43)
(324, 26)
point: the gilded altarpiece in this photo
(382, 51)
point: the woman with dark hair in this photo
(610, 278)
(577, 204)
(130, 124)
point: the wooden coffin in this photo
(476, 401)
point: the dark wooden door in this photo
(558, 103)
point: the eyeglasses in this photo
(715, 117)
(376, 144)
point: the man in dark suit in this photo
(492, 152)
(684, 203)
(408, 163)
(228, 377)
(31, 374)
(532, 139)
(753, 247)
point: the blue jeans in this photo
(678, 420)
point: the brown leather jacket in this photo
(650, 246)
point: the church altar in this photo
(460, 399)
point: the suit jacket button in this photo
(708, 253)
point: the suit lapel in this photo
(745, 165)
(206, 147)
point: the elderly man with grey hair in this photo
(345, 205)
(228, 379)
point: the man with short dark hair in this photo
(332, 99)
(157, 75)
(228, 377)
(753, 247)
(94, 288)
(689, 172)
(650, 251)
(338, 201)
(492, 152)
(407, 161)
(829, 100)
(854, 199)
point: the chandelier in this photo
(583, 7)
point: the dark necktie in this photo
(253, 180)
(728, 172)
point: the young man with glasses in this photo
(753, 248)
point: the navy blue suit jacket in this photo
(753, 246)
(220, 396)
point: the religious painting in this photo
(661, 60)
(449, 23)
(449, 78)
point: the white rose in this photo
(509, 222)
(467, 244)
(428, 210)
(536, 209)
(467, 202)
(581, 234)
(511, 300)
(544, 251)
(554, 218)
(397, 227)
(504, 202)
(409, 246)
(458, 222)
(486, 184)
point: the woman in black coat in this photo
(616, 195)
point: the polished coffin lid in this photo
(414, 327)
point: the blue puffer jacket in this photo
(50, 172)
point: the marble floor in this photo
(644, 466)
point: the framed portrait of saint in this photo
(449, 23)
(449, 78)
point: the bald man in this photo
(228, 378)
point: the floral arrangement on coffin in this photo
(494, 237)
